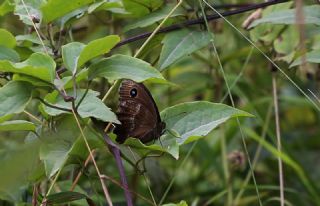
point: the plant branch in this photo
(104, 187)
(192, 22)
(117, 156)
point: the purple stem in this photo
(116, 153)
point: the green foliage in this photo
(17, 125)
(288, 16)
(53, 9)
(14, 97)
(179, 44)
(75, 54)
(38, 65)
(61, 64)
(123, 67)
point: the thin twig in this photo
(232, 102)
(104, 187)
(131, 191)
(80, 172)
(33, 117)
(53, 106)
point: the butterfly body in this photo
(138, 114)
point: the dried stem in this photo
(276, 110)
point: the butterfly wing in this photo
(138, 113)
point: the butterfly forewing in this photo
(138, 113)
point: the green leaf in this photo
(57, 8)
(55, 150)
(7, 39)
(123, 67)
(114, 6)
(70, 55)
(194, 120)
(38, 65)
(14, 97)
(180, 43)
(54, 155)
(6, 7)
(140, 8)
(154, 17)
(312, 57)
(64, 197)
(75, 54)
(29, 8)
(97, 47)
(168, 144)
(18, 164)
(17, 125)
(28, 37)
(288, 41)
(188, 121)
(91, 106)
(32, 80)
(288, 16)
(8, 54)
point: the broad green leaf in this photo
(27, 9)
(75, 54)
(268, 32)
(18, 164)
(288, 41)
(7, 39)
(17, 125)
(64, 197)
(32, 80)
(66, 141)
(70, 55)
(186, 123)
(38, 65)
(14, 97)
(55, 150)
(6, 7)
(180, 43)
(28, 37)
(97, 47)
(154, 17)
(57, 8)
(140, 8)
(312, 57)
(91, 106)
(8, 54)
(114, 6)
(167, 143)
(194, 120)
(54, 155)
(74, 15)
(288, 16)
(123, 67)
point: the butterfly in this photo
(138, 114)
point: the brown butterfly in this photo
(138, 114)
